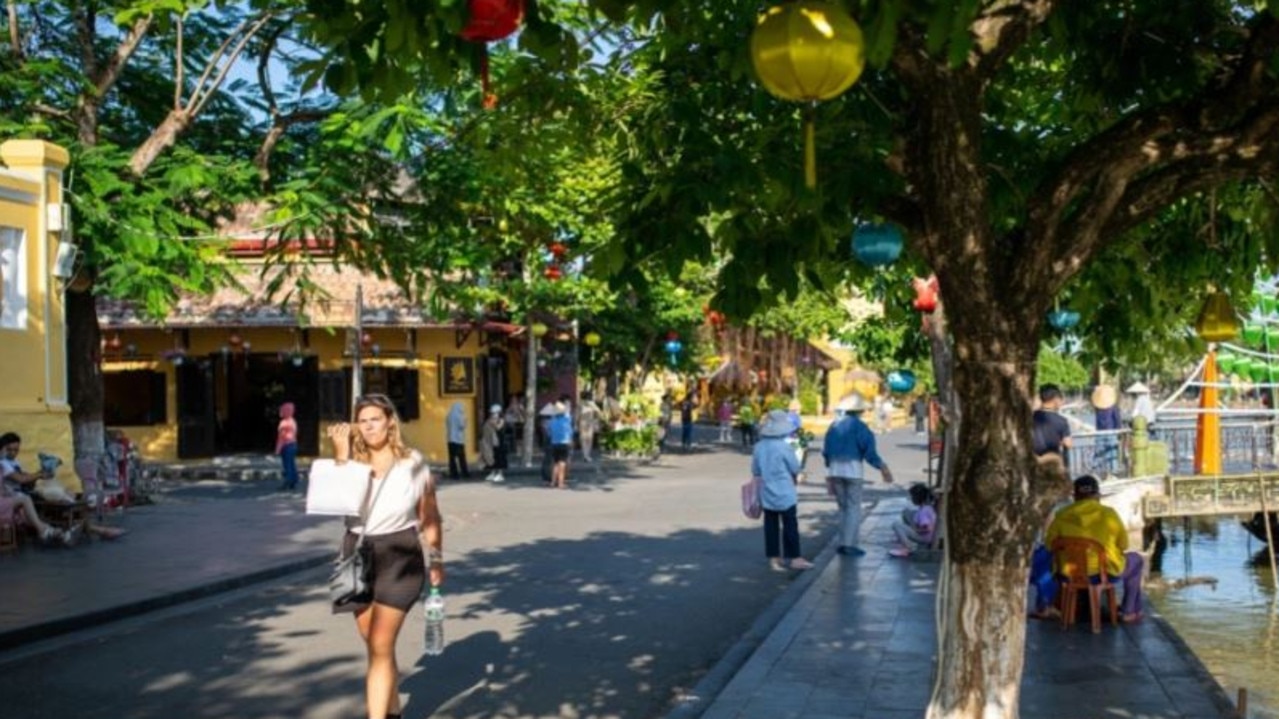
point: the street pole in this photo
(357, 366)
(530, 392)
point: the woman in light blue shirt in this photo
(775, 463)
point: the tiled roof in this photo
(249, 306)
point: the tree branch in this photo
(1003, 29)
(103, 82)
(282, 123)
(15, 37)
(222, 61)
(1232, 124)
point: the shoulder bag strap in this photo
(368, 507)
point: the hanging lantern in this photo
(539, 329)
(490, 21)
(553, 273)
(1269, 305)
(1217, 321)
(1258, 369)
(672, 335)
(877, 244)
(1253, 334)
(591, 339)
(673, 348)
(558, 250)
(115, 343)
(806, 51)
(901, 380)
(925, 294)
(1226, 362)
(1062, 320)
(235, 340)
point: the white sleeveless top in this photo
(395, 507)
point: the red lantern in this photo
(235, 339)
(672, 335)
(558, 250)
(925, 293)
(490, 21)
(366, 339)
(553, 273)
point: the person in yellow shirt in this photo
(1087, 517)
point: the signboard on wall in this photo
(457, 376)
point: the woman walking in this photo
(775, 463)
(286, 446)
(405, 535)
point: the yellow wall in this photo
(159, 442)
(33, 397)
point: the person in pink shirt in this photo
(917, 525)
(725, 417)
(286, 446)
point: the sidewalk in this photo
(188, 549)
(861, 642)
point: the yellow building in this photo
(34, 264)
(208, 379)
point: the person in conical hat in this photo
(775, 464)
(850, 445)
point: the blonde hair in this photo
(359, 450)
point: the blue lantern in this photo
(901, 380)
(673, 348)
(877, 244)
(1062, 320)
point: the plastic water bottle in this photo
(434, 610)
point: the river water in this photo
(1234, 628)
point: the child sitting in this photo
(916, 525)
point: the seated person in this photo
(916, 525)
(11, 474)
(1087, 517)
(20, 485)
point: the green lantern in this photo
(1253, 334)
(1226, 362)
(1258, 369)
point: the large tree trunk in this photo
(997, 503)
(84, 374)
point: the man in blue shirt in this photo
(560, 430)
(848, 446)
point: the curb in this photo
(16, 638)
(696, 701)
(1220, 697)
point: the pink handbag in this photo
(750, 498)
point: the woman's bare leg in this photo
(379, 627)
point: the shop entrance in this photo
(229, 404)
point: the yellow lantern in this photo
(806, 51)
(1217, 320)
(539, 329)
(592, 339)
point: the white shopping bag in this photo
(336, 489)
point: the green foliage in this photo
(1060, 369)
(810, 392)
(630, 442)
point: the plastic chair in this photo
(1073, 555)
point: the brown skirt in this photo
(399, 570)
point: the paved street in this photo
(609, 600)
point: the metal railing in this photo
(1245, 447)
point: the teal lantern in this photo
(901, 380)
(673, 348)
(1063, 320)
(877, 244)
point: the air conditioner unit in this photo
(64, 265)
